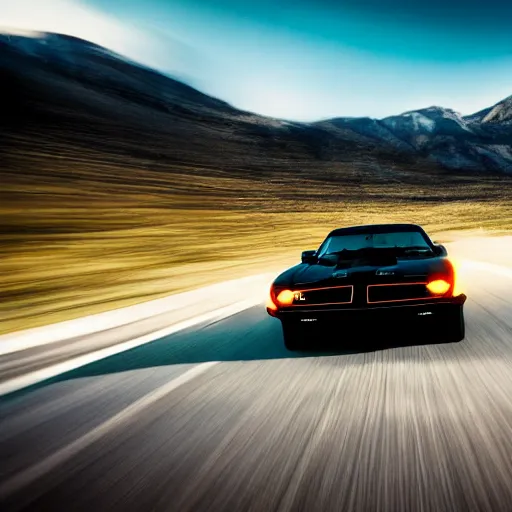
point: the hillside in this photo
(120, 184)
(89, 104)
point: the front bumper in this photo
(426, 311)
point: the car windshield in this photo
(403, 241)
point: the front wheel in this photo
(293, 338)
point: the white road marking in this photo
(37, 376)
(218, 296)
(43, 467)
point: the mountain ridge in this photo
(70, 73)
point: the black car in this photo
(378, 275)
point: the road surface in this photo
(221, 417)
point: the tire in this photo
(455, 325)
(292, 337)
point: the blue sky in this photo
(307, 59)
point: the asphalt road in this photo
(222, 417)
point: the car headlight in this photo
(285, 298)
(279, 296)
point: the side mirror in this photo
(309, 257)
(440, 249)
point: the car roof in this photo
(376, 228)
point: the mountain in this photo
(71, 99)
(479, 142)
(501, 113)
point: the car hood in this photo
(332, 275)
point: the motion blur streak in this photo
(175, 313)
(178, 307)
(385, 424)
(28, 379)
(488, 267)
(69, 451)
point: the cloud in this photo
(76, 18)
(70, 17)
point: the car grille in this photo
(324, 296)
(396, 292)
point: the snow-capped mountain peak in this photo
(500, 113)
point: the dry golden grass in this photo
(84, 231)
(63, 256)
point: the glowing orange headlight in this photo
(438, 287)
(285, 297)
